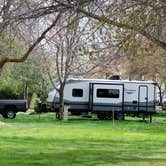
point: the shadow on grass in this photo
(39, 151)
(48, 120)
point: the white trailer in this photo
(101, 96)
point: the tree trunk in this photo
(61, 103)
(161, 103)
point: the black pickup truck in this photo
(9, 108)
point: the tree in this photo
(32, 73)
(30, 49)
(14, 14)
(139, 16)
(143, 17)
(66, 47)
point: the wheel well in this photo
(11, 108)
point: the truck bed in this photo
(12, 106)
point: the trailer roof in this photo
(70, 80)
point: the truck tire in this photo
(10, 114)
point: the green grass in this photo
(30, 141)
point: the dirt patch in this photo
(3, 124)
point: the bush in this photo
(8, 93)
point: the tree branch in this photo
(108, 21)
(25, 56)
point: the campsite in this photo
(83, 82)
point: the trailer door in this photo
(107, 97)
(143, 98)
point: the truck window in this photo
(108, 93)
(77, 92)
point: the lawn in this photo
(28, 140)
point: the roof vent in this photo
(114, 77)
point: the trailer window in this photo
(108, 93)
(77, 92)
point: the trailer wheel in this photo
(119, 116)
(108, 116)
(104, 116)
(100, 116)
(10, 114)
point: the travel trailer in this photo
(102, 97)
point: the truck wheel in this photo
(10, 114)
(119, 116)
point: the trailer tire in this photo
(119, 116)
(108, 116)
(104, 116)
(100, 116)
